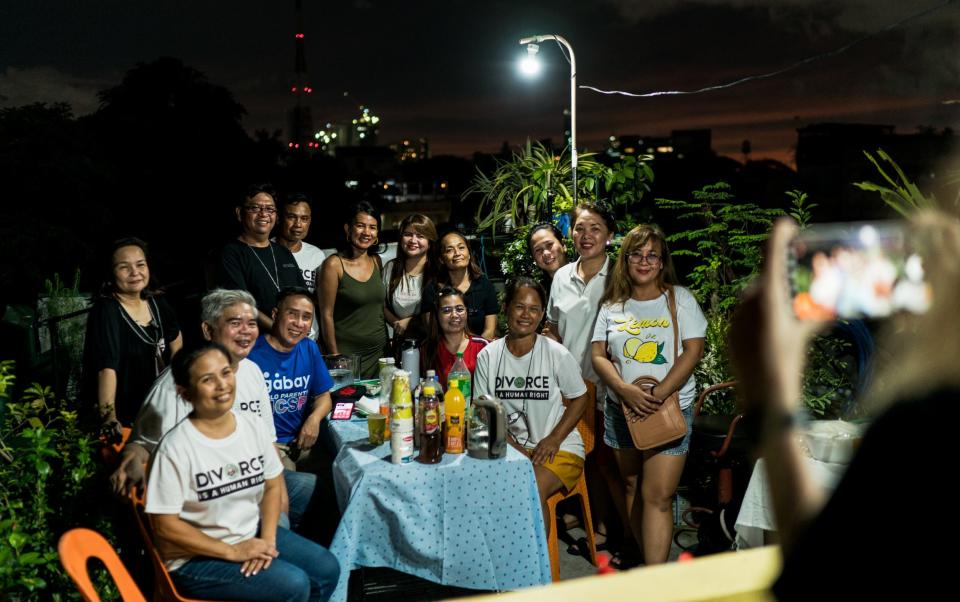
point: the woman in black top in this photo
(131, 336)
(459, 270)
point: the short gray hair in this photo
(218, 300)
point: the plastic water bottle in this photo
(387, 369)
(410, 361)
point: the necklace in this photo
(158, 343)
(522, 414)
(275, 277)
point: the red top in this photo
(445, 359)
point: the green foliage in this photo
(518, 189)
(726, 240)
(901, 195)
(800, 208)
(48, 484)
(626, 183)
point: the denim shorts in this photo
(617, 435)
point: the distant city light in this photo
(664, 149)
(293, 89)
(290, 144)
(299, 36)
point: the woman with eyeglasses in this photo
(449, 335)
(352, 293)
(642, 307)
(532, 375)
(459, 270)
(213, 498)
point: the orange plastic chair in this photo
(110, 452)
(77, 547)
(163, 588)
(586, 428)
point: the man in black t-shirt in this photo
(253, 263)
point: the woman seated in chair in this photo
(532, 374)
(448, 335)
(213, 496)
(642, 314)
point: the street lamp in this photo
(527, 67)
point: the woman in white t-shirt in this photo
(532, 374)
(404, 277)
(213, 497)
(634, 337)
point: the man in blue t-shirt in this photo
(296, 376)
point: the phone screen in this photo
(342, 411)
(856, 270)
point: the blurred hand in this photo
(767, 343)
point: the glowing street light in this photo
(530, 66)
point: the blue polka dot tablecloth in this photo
(464, 522)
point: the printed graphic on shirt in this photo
(248, 406)
(310, 277)
(645, 349)
(230, 478)
(292, 393)
(645, 352)
(522, 387)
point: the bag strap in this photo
(672, 304)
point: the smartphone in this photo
(856, 270)
(342, 411)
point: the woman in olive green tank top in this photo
(351, 294)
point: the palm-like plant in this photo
(902, 195)
(532, 185)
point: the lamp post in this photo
(532, 49)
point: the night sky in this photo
(446, 70)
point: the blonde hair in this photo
(619, 284)
(919, 352)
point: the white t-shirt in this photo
(215, 485)
(309, 258)
(163, 408)
(573, 307)
(535, 384)
(406, 299)
(639, 337)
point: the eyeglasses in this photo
(265, 209)
(453, 309)
(638, 257)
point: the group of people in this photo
(220, 424)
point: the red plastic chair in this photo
(77, 547)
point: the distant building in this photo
(330, 137)
(681, 144)
(364, 128)
(830, 159)
(411, 150)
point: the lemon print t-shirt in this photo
(639, 337)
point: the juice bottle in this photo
(401, 419)
(455, 410)
(429, 431)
